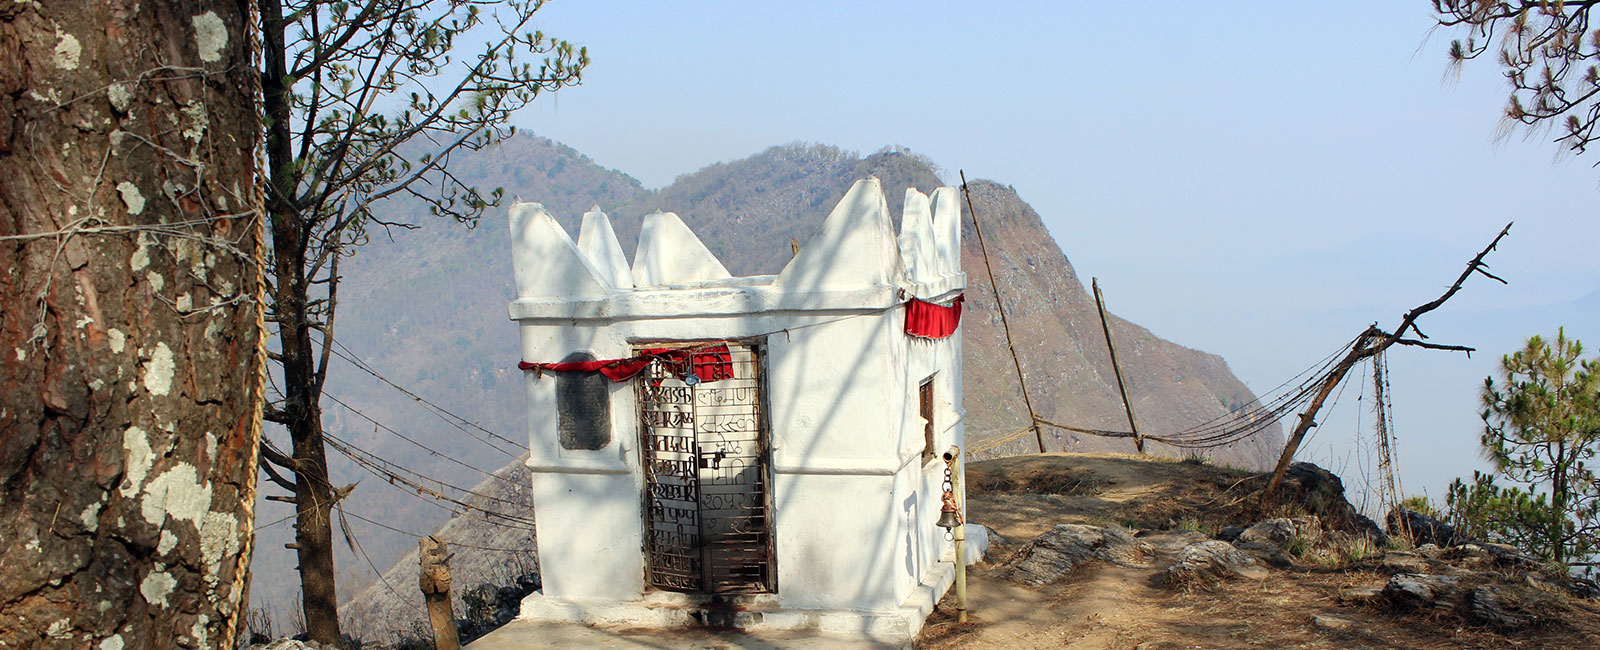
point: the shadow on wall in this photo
(845, 430)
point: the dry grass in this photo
(1335, 551)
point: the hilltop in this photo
(1311, 577)
(426, 308)
(1099, 550)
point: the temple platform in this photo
(526, 634)
(669, 620)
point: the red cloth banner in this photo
(714, 362)
(932, 320)
(711, 363)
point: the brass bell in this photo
(948, 517)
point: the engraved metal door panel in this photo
(703, 429)
(672, 487)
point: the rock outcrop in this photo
(1321, 493)
(1277, 532)
(1423, 529)
(1474, 598)
(1058, 551)
(1206, 563)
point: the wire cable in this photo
(453, 543)
(344, 352)
(411, 440)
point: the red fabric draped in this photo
(711, 363)
(714, 362)
(932, 320)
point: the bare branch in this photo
(1489, 275)
(271, 454)
(1409, 321)
(272, 414)
(1371, 343)
(327, 326)
(1436, 346)
(272, 473)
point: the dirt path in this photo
(1104, 605)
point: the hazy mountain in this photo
(428, 311)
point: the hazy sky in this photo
(1260, 180)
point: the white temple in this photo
(775, 462)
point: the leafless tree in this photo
(362, 102)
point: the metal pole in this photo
(1138, 440)
(952, 457)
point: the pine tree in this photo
(1549, 54)
(364, 101)
(1541, 430)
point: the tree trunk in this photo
(1559, 497)
(314, 528)
(302, 391)
(130, 282)
(1308, 419)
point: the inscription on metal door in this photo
(706, 472)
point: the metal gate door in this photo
(706, 470)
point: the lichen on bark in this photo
(129, 426)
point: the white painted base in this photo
(763, 613)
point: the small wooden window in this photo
(925, 407)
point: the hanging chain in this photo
(948, 501)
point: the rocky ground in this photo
(1117, 551)
(1111, 551)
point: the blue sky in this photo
(1258, 180)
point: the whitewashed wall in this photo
(853, 500)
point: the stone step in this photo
(532, 635)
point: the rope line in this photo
(355, 545)
(419, 536)
(1383, 422)
(344, 352)
(1254, 417)
(381, 468)
(995, 443)
(413, 441)
(1317, 427)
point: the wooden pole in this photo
(1000, 306)
(1372, 342)
(1360, 351)
(435, 582)
(1099, 303)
